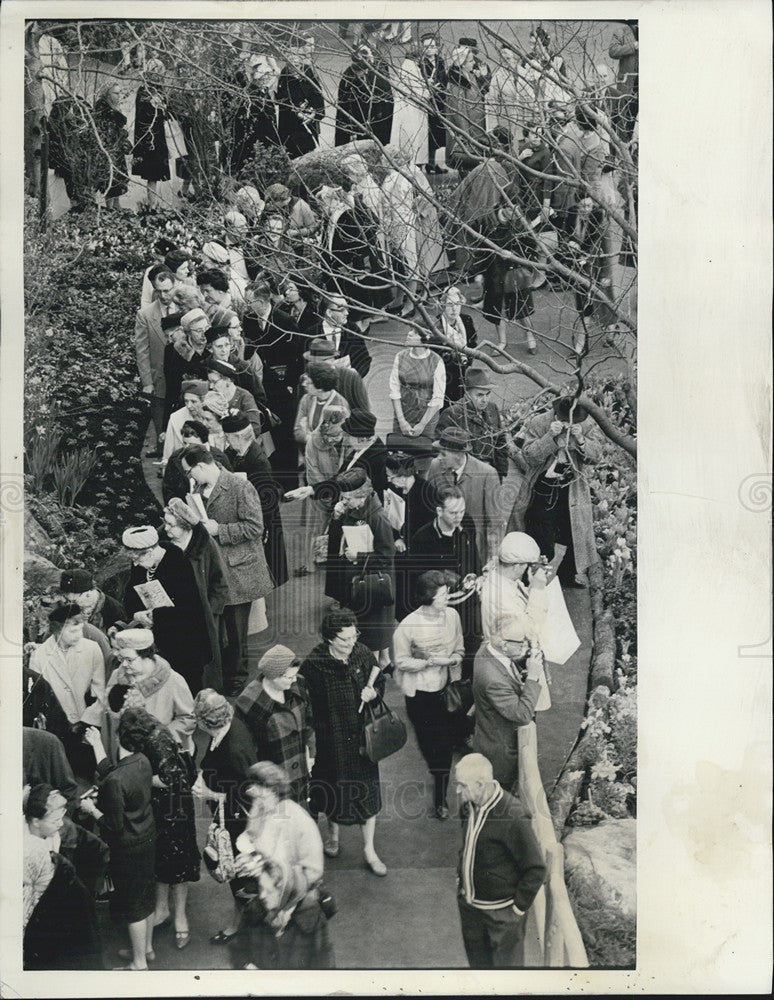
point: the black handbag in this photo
(458, 696)
(384, 732)
(370, 591)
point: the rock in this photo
(113, 575)
(39, 573)
(600, 866)
(36, 538)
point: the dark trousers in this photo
(158, 404)
(234, 646)
(436, 732)
(493, 939)
(547, 519)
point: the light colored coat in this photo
(149, 343)
(71, 674)
(480, 485)
(236, 506)
(502, 704)
(538, 452)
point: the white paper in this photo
(357, 538)
(153, 595)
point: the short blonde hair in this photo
(212, 710)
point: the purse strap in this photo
(221, 814)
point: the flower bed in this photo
(84, 420)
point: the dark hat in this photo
(320, 349)
(563, 405)
(75, 581)
(352, 479)
(222, 368)
(64, 612)
(454, 439)
(428, 34)
(477, 378)
(195, 385)
(360, 423)
(238, 422)
(471, 43)
(215, 333)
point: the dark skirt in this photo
(436, 729)
(304, 944)
(177, 854)
(134, 885)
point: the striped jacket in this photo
(501, 863)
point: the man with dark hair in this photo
(235, 521)
(150, 340)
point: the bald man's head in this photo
(473, 778)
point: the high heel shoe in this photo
(375, 865)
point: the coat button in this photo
(295, 765)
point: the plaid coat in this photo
(345, 783)
(282, 732)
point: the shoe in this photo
(303, 571)
(430, 168)
(441, 813)
(375, 866)
(222, 938)
(440, 170)
(531, 344)
(127, 953)
(182, 939)
(128, 968)
(156, 453)
(331, 847)
(574, 584)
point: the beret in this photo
(191, 316)
(454, 439)
(518, 547)
(215, 333)
(196, 385)
(134, 638)
(75, 581)
(222, 368)
(235, 423)
(216, 404)
(216, 251)
(276, 661)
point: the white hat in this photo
(216, 251)
(140, 538)
(518, 547)
(192, 316)
(134, 638)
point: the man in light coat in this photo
(505, 695)
(235, 521)
(480, 486)
(150, 340)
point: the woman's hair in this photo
(258, 289)
(335, 621)
(322, 376)
(201, 430)
(214, 278)
(401, 464)
(163, 246)
(269, 775)
(134, 728)
(221, 316)
(429, 584)
(175, 258)
(37, 802)
(187, 295)
(212, 710)
(452, 289)
(304, 288)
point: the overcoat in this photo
(294, 90)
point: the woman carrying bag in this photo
(428, 648)
(341, 675)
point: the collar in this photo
(493, 799)
(498, 655)
(329, 330)
(442, 534)
(159, 677)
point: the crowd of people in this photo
(442, 582)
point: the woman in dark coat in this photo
(180, 631)
(365, 101)
(359, 506)
(184, 529)
(252, 114)
(110, 123)
(246, 455)
(177, 855)
(340, 674)
(124, 811)
(300, 100)
(419, 499)
(224, 775)
(150, 154)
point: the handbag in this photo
(218, 853)
(384, 732)
(517, 279)
(458, 695)
(370, 591)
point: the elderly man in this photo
(501, 868)
(184, 357)
(507, 675)
(456, 466)
(480, 418)
(75, 669)
(235, 521)
(557, 445)
(333, 328)
(150, 340)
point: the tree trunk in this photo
(34, 108)
(603, 656)
(566, 789)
